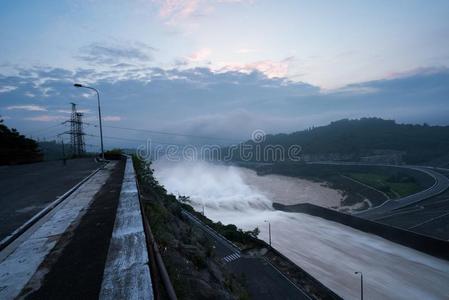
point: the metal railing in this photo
(156, 261)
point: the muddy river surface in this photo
(329, 251)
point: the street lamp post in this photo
(78, 85)
(63, 152)
(361, 284)
(269, 231)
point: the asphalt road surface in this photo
(441, 184)
(30, 256)
(429, 217)
(84, 250)
(425, 212)
(26, 189)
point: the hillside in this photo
(16, 148)
(366, 139)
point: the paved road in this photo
(262, 279)
(429, 217)
(441, 184)
(26, 189)
(27, 259)
(83, 250)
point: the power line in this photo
(137, 140)
(48, 137)
(172, 133)
(44, 129)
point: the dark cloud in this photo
(227, 104)
(115, 55)
(53, 73)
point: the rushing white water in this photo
(329, 251)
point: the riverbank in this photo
(320, 247)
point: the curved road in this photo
(441, 184)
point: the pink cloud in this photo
(270, 68)
(200, 55)
(176, 10)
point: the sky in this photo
(222, 68)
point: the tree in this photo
(16, 148)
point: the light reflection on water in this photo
(329, 251)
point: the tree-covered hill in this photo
(16, 148)
(366, 138)
(52, 150)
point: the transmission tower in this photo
(76, 132)
(80, 146)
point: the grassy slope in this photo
(384, 183)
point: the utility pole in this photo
(78, 85)
(76, 132)
(269, 231)
(361, 284)
(63, 152)
(80, 134)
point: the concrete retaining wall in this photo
(127, 273)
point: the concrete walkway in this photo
(26, 258)
(26, 189)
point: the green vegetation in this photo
(16, 148)
(52, 150)
(113, 154)
(188, 255)
(244, 239)
(355, 139)
(394, 186)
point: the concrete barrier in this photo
(127, 273)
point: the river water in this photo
(329, 251)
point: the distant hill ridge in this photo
(368, 137)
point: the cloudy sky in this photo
(221, 68)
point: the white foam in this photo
(329, 251)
